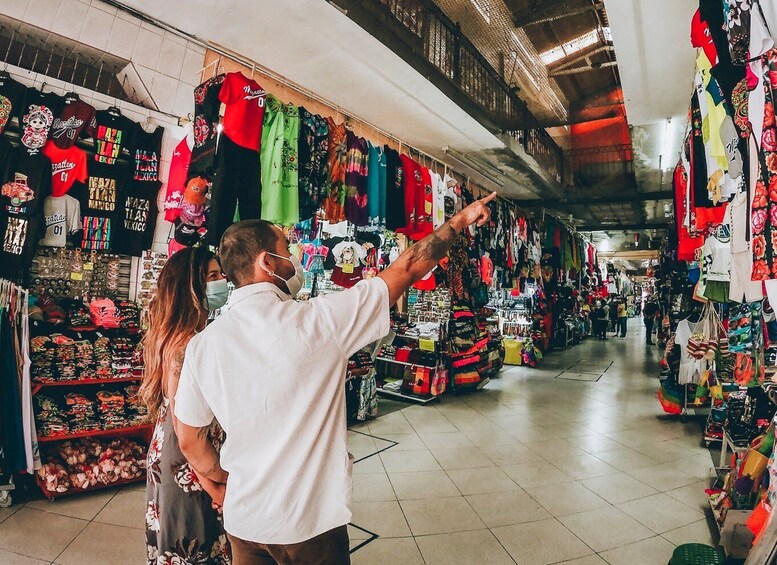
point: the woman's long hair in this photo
(174, 316)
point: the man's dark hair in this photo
(241, 244)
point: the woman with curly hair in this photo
(183, 522)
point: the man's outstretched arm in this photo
(421, 258)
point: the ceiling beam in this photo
(551, 15)
(585, 54)
(578, 70)
(593, 201)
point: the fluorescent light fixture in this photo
(575, 45)
(482, 7)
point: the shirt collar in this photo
(240, 294)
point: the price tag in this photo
(76, 276)
(89, 266)
(347, 268)
(425, 344)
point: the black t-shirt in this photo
(395, 191)
(76, 119)
(36, 116)
(26, 183)
(114, 133)
(206, 120)
(104, 189)
(11, 97)
(19, 238)
(136, 219)
(146, 153)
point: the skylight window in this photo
(482, 7)
(574, 45)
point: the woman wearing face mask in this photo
(181, 521)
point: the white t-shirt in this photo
(272, 371)
(62, 215)
(690, 368)
(439, 188)
(717, 254)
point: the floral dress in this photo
(182, 528)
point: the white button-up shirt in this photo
(271, 370)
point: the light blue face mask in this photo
(216, 294)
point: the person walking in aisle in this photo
(649, 315)
(182, 524)
(271, 371)
(623, 317)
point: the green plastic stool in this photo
(696, 554)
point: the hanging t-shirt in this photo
(395, 190)
(67, 166)
(136, 219)
(206, 121)
(105, 188)
(244, 113)
(424, 207)
(313, 147)
(414, 189)
(176, 179)
(376, 187)
(114, 133)
(36, 116)
(26, 185)
(76, 119)
(439, 189)
(356, 179)
(279, 163)
(147, 149)
(62, 218)
(11, 97)
(334, 202)
(18, 240)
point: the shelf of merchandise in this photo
(99, 433)
(419, 399)
(99, 486)
(38, 385)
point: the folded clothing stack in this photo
(81, 413)
(103, 358)
(64, 361)
(111, 409)
(50, 419)
(122, 349)
(137, 413)
(128, 315)
(42, 352)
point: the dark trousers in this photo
(649, 329)
(236, 181)
(329, 548)
(621, 326)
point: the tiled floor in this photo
(582, 469)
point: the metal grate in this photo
(598, 166)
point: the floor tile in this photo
(440, 516)
(463, 547)
(409, 461)
(488, 437)
(84, 506)
(590, 560)
(384, 518)
(8, 558)
(692, 495)
(375, 487)
(663, 477)
(370, 465)
(509, 454)
(405, 442)
(653, 551)
(529, 543)
(585, 467)
(127, 508)
(423, 485)
(482, 481)
(698, 532)
(597, 444)
(507, 508)
(446, 440)
(104, 543)
(627, 459)
(534, 474)
(391, 424)
(17, 533)
(661, 513)
(606, 528)
(618, 488)
(7, 512)
(463, 458)
(384, 551)
(437, 425)
(566, 498)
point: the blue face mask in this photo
(216, 294)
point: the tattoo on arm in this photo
(434, 247)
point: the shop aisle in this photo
(572, 462)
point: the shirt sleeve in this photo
(358, 316)
(81, 173)
(191, 408)
(73, 220)
(225, 93)
(91, 124)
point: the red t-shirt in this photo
(67, 166)
(244, 113)
(414, 189)
(76, 119)
(424, 206)
(176, 180)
